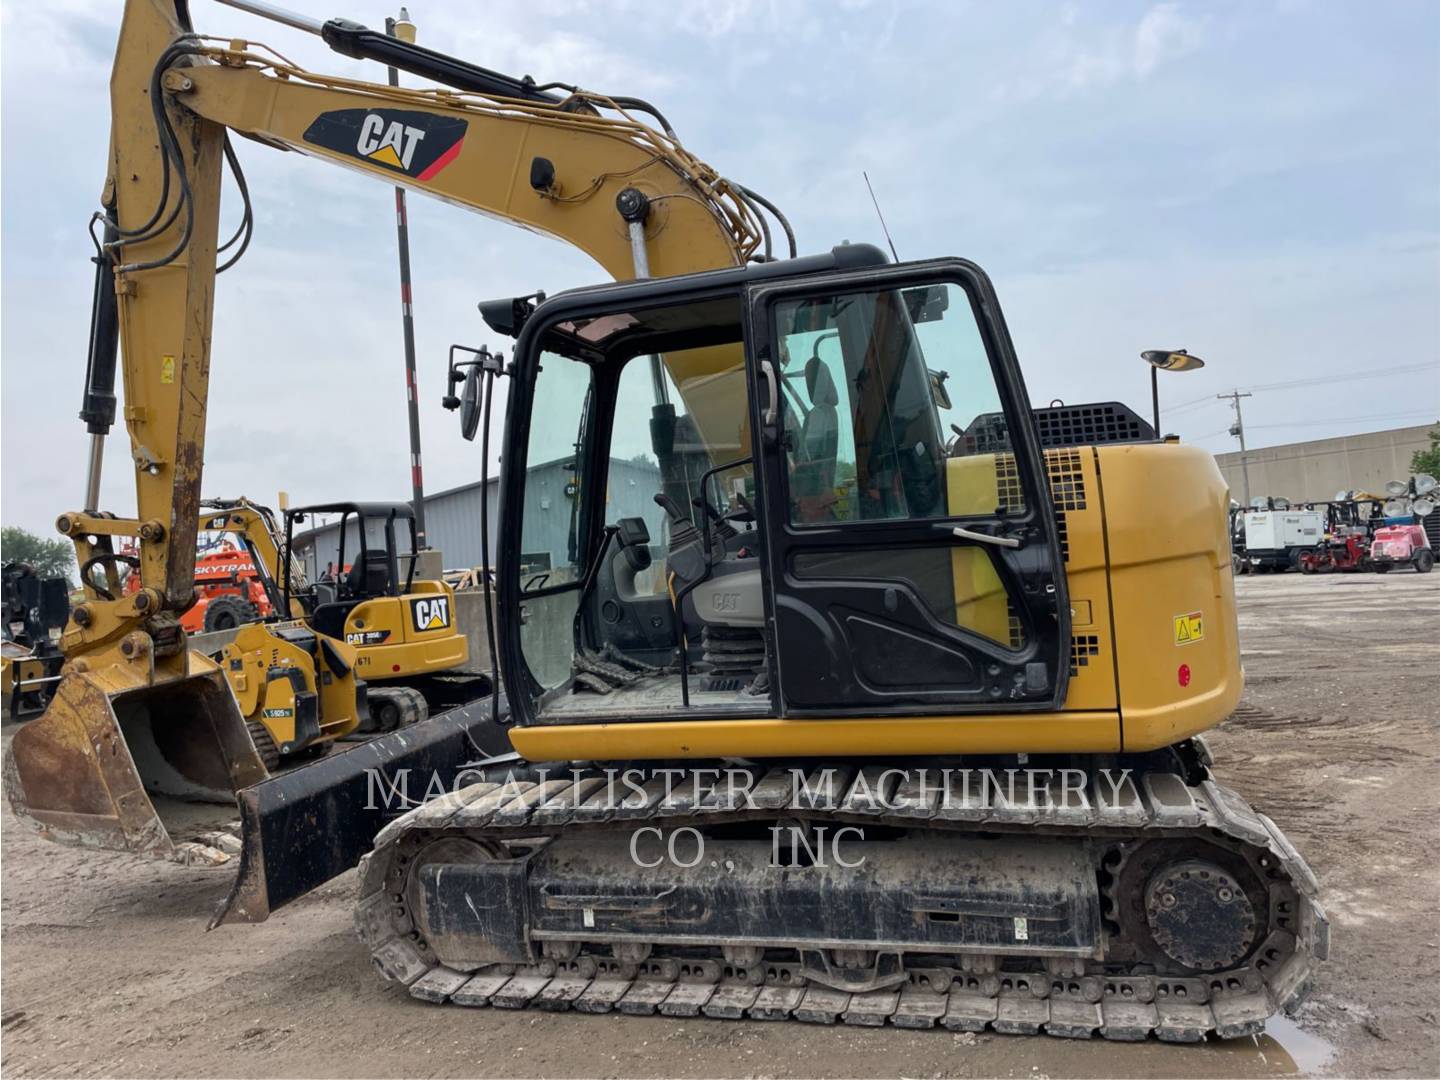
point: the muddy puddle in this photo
(1285, 1049)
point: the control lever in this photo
(703, 504)
(748, 509)
(671, 507)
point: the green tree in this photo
(50, 558)
(1428, 461)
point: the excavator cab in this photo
(734, 497)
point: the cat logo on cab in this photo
(430, 613)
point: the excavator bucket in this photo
(128, 765)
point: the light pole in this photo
(404, 29)
(1166, 360)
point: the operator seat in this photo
(819, 441)
(370, 575)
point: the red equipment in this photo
(1338, 553)
(1397, 545)
(228, 591)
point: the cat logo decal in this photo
(416, 144)
(430, 613)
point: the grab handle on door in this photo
(983, 538)
(772, 406)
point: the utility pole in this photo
(404, 29)
(1238, 429)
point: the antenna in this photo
(881, 216)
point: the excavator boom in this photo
(141, 727)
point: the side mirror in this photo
(470, 405)
(470, 394)
(937, 389)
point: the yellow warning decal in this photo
(1189, 628)
(167, 369)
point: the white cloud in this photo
(1079, 54)
(1164, 36)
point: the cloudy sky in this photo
(1256, 182)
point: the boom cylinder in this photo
(98, 407)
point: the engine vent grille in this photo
(1067, 479)
(1067, 491)
(1062, 425)
(1082, 647)
(1089, 425)
(1007, 483)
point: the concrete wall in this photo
(470, 620)
(1316, 470)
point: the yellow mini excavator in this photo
(403, 628)
(839, 683)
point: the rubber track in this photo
(1229, 1004)
(409, 701)
(264, 744)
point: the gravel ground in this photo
(107, 968)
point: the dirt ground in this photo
(107, 968)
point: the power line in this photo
(1198, 403)
(1375, 374)
(1348, 419)
(1316, 380)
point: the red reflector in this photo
(1183, 675)
(396, 667)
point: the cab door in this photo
(913, 551)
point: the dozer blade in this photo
(302, 827)
(118, 762)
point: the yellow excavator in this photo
(887, 707)
(33, 611)
(404, 629)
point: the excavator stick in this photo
(122, 763)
